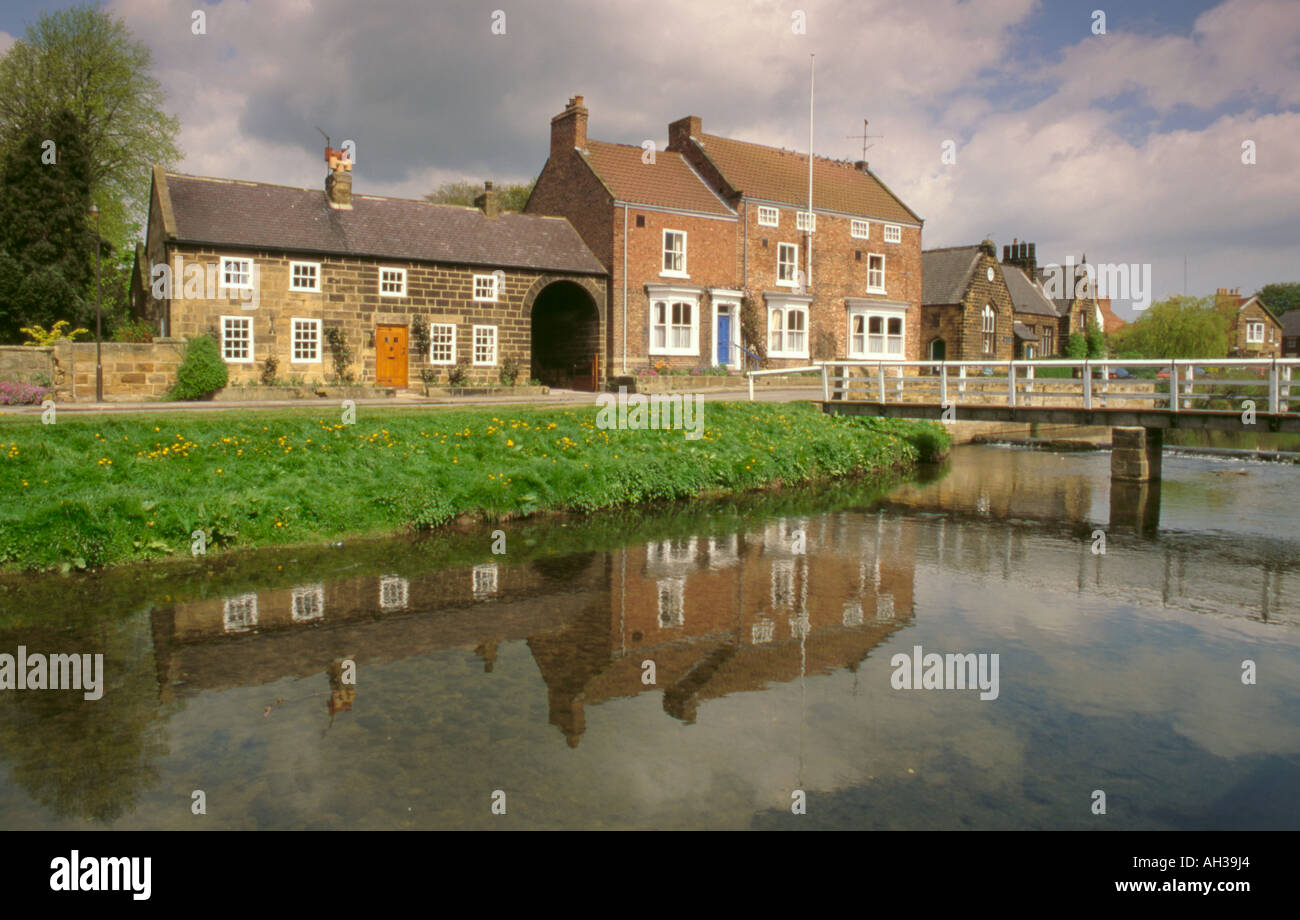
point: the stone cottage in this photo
(288, 274)
(967, 313)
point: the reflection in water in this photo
(700, 673)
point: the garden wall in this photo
(132, 370)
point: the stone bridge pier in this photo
(1135, 454)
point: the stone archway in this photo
(565, 331)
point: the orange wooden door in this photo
(391, 363)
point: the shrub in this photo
(509, 372)
(38, 336)
(22, 394)
(457, 376)
(269, 367)
(420, 335)
(133, 330)
(341, 351)
(202, 372)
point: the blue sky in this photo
(1126, 146)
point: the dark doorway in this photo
(566, 337)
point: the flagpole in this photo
(811, 80)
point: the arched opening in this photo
(566, 337)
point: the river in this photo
(724, 665)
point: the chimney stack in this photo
(989, 247)
(1022, 255)
(860, 165)
(338, 184)
(569, 128)
(488, 202)
(682, 130)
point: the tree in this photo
(1095, 340)
(1280, 297)
(1177, 327)
(511, 197)
(46, 242)
(86, 62)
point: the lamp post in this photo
(99, 315)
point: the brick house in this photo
(1290, 321)
(1254, 331)
(693, 234)
(843, 280)
(967, 313)
(667, 241)
(270, 270)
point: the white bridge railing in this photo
(1174, 385)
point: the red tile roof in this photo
(669, 182)
(773, 174)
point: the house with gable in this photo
(667, 241)
(1070, 287)
(712, 234)
(275, 272)
(967, 313)
(841, 278)
(1254, 332)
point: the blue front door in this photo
(724, 338)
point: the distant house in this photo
(710, 228)
(1254, 331)
(270, 270)
(967, 313)
(1291, 334)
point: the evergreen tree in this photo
(47, 251)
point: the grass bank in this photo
(94, 491)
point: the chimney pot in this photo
(338, 183)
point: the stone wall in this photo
(27, 364)
(132, 370)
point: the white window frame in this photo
(793, 281)
(769, 216)
(433, 342)
(884, 315)
(860, 229)
(313, 607)
(400, 274)
(246, 321)
(669, 300)
(784, 596)
(493, 337)
(242, 266)
(989, 329)
(893, 233)
(294, 323)
(806, 221)
(491, 295)
(665, 251)
(674, 615)
(880, 288)
(293, 278)
(1254, 333)
(394, 592)
(785, 309)
(239, 613)
(483, 581)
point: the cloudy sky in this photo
(1126, 146)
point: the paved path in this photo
(403, 400)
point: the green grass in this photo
(93, 491)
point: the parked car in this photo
(1120, 373)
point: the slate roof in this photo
(773, 174)
(1026, 297)
(946, 273)
(1290, 322)
(257, 215)
(1024, 332)
(669, 182)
